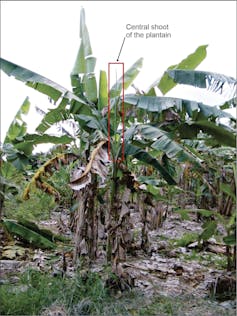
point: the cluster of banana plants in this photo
(156, 133)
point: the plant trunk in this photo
(145, 244)
(119, 225)
(92, 219)
(112, 250)
(80, 234)
(86, 220)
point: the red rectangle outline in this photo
(123, 116)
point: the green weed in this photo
(207, 259)
(186, 239)
(60, 180)
(161, 305)
(36, 291)
(82, 295)
(38, 207)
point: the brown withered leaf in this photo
(98, 164)
(11, 252)
(78, 181)
(45, 171)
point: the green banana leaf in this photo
(18, 159)
(43, 232)
(150, 180)
(91, 87)
(103, 91)
(219, 133)
(88, 123)
(18, 128)
(54, 116)
(142, 155)
(30, 140)
(85, 63)
(166, 83)
(24, 109)
(150, 103)
(50, 88)
(27, 235)
(161, 141)
(160, 104)
(214, 111)
(129, 77)
(203, 79)
(39, 83)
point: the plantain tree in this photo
(156, 130)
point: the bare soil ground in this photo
(186, 276)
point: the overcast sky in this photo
(44, 36)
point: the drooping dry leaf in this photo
(45, 171)
(11, 252)
(98, 164)
(78, 180)
(76, 173)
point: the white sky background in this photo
(43, 36)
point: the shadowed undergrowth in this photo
(38, 293)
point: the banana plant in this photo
(161, 125)
(86, 107)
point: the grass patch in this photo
(38, 207)
(59, 180)
(36, 291)
(207, 259)
(186, 239)
(161, 305)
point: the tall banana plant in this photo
(88, 108)
(161, 125)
